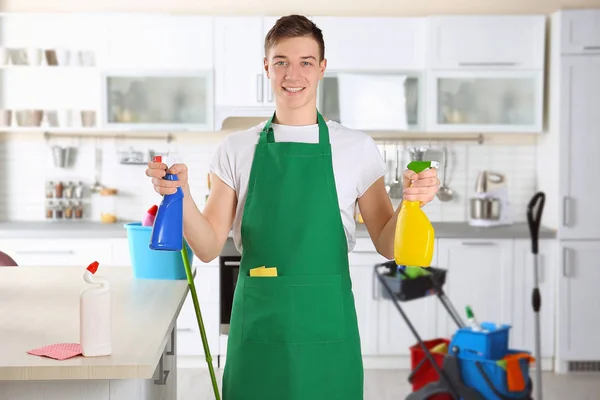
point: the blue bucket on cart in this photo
(480, 355)
(153, 264)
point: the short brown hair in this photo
(292, 26)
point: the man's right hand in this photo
(157, 171)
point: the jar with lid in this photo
(108, 205)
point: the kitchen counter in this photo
(40, 306)
(83, 229)
(462, 230)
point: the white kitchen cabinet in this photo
(485, 101)
(523, 320)
(241, 84)
(580, 30)
(579, 143)
(162, 42)
(481, 275)
(383, 43)
(578, 320)
(488, 42)
(239, 67)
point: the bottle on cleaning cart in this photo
(471, 320)
(167, 232)
(414, 236)
(95, 315)
(150, 216)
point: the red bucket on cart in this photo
(424, 373)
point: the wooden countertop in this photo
(40, 306)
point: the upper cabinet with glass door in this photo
(370, 101)
(486, 74)
(374, 79)
(158, 73)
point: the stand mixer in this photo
(490, 206)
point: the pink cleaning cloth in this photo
(58, 351)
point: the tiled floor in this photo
(194, 384)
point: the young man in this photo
(289, 187)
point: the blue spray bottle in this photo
(167, 232)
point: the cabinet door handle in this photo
(478, 243)
(565, 261)
(259, 88)
(162, 373)
(566, 211)
(488, 64)
(269, 92)
(45, 252)
(363, 252)
(591, 47)
(172, 350)
(376, 285)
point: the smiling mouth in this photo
(293, 89)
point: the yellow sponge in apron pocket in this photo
(263, 271)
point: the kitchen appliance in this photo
(490, 206)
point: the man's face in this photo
(294, 69)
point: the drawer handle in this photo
(591, 47)
(172, 350)
(566, 211)
(478, 243)
(488, 64)
(232, 263)
(42, 252)
(162, 373)
(364, 252)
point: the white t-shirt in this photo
(357, 164)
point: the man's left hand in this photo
(420, 187)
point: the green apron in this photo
(294, 336)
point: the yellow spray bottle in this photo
(414, 237)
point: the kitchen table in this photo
(40, 306)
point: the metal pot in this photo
(486, 208)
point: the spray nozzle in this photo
(93, 267)
(418, 166)
(152, 210)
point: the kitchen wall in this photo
(27, 162)
(278, 7)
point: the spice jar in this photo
(49, 210)
(108, 206)
(68, 190)
(69, 210)
(58, 190)
(78, 208)
(58, 211)
(79, 190)
(49, 190)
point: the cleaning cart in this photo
(475, 365)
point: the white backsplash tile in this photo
(27, 164)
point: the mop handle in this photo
(190, 279)
(534, 222)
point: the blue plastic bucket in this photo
(153, 264)
(490, 379)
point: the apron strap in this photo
(268, 136)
